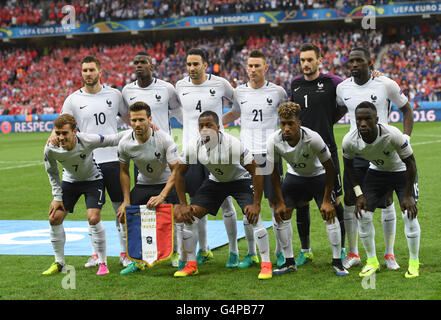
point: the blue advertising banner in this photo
(267, 17)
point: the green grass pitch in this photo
(26, 194)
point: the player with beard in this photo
(232, 173)
(255, 103)
(160, 95)
(315, 92)
(392, 168)
(164, 104)
(199, 92)
(382, 92)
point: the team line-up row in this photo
(378, 160)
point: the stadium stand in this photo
(33, 13)
(414, 63)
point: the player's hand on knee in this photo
(408, 204)
(120, 212)
(328, 212)
(279, 212)
(360, 204)
(252, 212)
(54, 206)
(186, 214)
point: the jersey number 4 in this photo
(199, 106)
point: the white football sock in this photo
(179, 236)
(389, 222)
(276, 235)
(249, 235)
(284, 232)
(58, 240)
(367, 233)
(99, 241)
(334, 235)
(120, 227)
(230, 220)
(261, 236)
(176, 245)
(413, 234)
(190, 239)
(202, 233)
(351, 227)
(91, 241)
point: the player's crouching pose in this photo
(392, 168)
(310, 175)
(155, 154)
(232, 173)
(81, 176)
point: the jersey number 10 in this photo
(100, 118)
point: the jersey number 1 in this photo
(306, 100)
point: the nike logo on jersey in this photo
(347, 98)
(83, 107)
(242, 102)
(131, 98)
(296, 89)
(185, 93)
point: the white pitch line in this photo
(22, 166)
(22, 161)
(427, 142)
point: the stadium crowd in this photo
(19, 13)
(38, 82)
(14, 13)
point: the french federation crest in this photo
(149, 233)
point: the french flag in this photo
(149, 233)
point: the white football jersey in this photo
(78, 163)
(381, 91)
(305, 159)
(258, 113)
(151, 158)
(97, 113)
(162, 99)
(384, 154)
(225, 161)
(196, 99)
